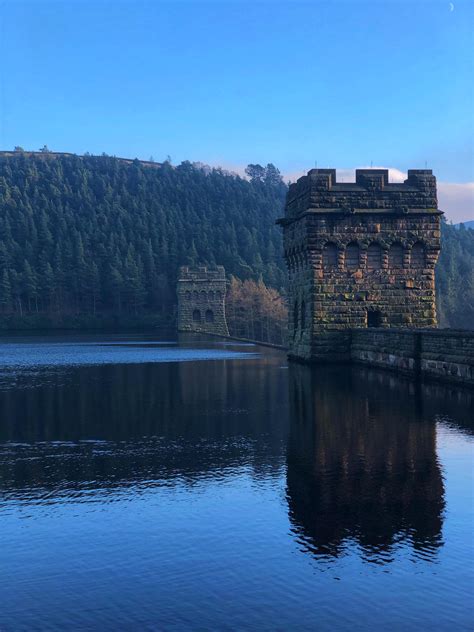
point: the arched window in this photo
(418, 255)
(209, 316)
(188, 295)
(395, 256)
(210, 295)
(330, 256)
(352, 256)
(195, 295)
(374, 257)
(303, 315)
(203, 295)
(295, 317)
(197, 316)
(218, 295)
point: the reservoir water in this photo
(151, 484)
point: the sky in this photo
(340, 84)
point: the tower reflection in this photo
(362, 464)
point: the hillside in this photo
(89, 235)
(97, 239)
(455, 278)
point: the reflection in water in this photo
(362, 464)
(149, 489)
(118, 425)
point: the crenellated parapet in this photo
(371, 192)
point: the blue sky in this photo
(345, 84)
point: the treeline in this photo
(91, 235)
(455, 278)
(256, 312)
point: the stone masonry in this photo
(201, 300)
(359, 254)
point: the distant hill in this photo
(469, 224)
(98, 234)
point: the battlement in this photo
(201, 273)
(320, 192)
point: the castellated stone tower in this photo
(359, 254)
(201, 300)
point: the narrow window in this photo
(195, 295)
(209, 316)
(395, 256)
(374, 318)
(374, 257)
(203, 295)
(418, 255)
(330, 256)
(303, 315)
(188, 295)
(295, 317)
(197, 316)
(218, 295)
(352, 256)
(210, 295)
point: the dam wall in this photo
(435, 353)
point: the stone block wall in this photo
(201, 300)
(444, 354)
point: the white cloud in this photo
(456, 199)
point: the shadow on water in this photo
(119, 425)
(362, 462)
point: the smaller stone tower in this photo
(201, 300)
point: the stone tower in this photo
(359, 254)
(201, 300)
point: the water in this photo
(158, 485)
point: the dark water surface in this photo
(157, 485)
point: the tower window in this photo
(197, 316)
(303, 315)
(195, 295)
(374, 318)
(395, 256)
(295, 317)
(210, 295)
(352, 256)
(188, 295)
(418, 255)
(330, 256)
(209, 316)
(374, 257)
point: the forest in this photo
(97, 241)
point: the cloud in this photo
(456, 199)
